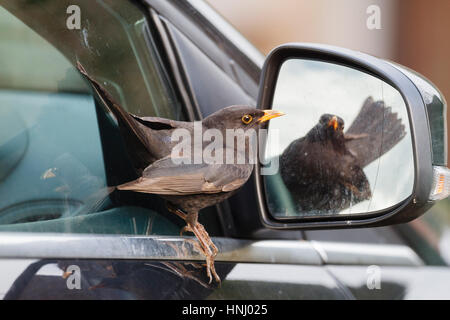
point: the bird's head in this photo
(240, 117)
(332, 124)
(329, 127)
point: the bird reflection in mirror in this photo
(324, 169)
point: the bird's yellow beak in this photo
(333, 123)
(270, 114)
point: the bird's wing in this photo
(167, 177)
(375, 131)
(157, 123)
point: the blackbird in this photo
(324, 169)
(186, 185)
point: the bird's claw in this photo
(206, 246)
(209, 250)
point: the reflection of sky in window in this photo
(307, 89)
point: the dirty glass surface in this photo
(59, 149)
(345, 146)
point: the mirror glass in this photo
(344, 146)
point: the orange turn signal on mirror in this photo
(441, 183)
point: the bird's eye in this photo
(247, 119)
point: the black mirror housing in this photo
(426, 109)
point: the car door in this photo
(374, 252)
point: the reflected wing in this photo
(167, 177)
(375, 131)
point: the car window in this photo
(60, 151)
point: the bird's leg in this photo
(210, 243)
(192, 225)
(176, 211)
(209, 249)
(186, 228)
(207, 246)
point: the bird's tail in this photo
(377, 130)
(108, 101)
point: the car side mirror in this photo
(363, 142)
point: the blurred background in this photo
(413, 33)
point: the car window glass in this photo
(60, 152)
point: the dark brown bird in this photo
(324, 169)
(186, 185)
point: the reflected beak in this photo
(333, 123)
(270, 114)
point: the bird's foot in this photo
(208, 248)
(201, 230)
(210, 243)
(211, 270)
